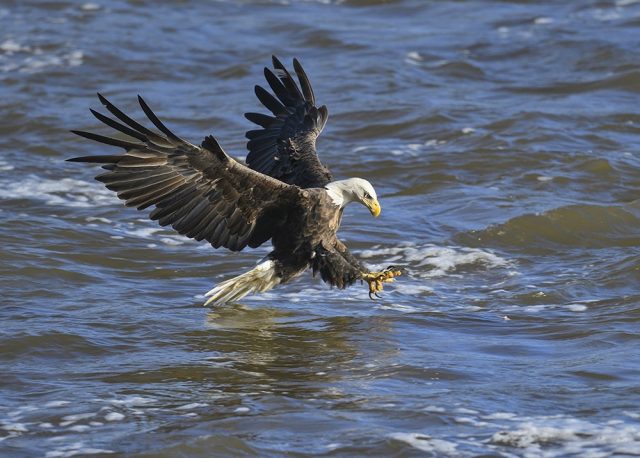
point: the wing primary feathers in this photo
(111, 159)
(286, 78)
(127, 120)
(304, 82)
(278, 88)
(252, 134)
(269, 101)
(260, 119)
(285, 148)
(107, 140)
(156, 122)
(117, 126)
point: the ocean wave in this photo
(65, 192)
(627, 81)
(16, 57)
(424, 443)
(49, 345)
(548, 436)
(429, 261)
(579, 225)
(556, 436)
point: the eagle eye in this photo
(366, 195)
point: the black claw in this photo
(377, 295)
(371, 297)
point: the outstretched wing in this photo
(285, 147)
(199, 190)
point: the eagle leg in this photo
(376, 280)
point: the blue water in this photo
(503, 140)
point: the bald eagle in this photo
(283, 193)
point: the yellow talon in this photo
(376, 280)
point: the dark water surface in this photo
(503, 138)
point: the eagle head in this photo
(354, 190)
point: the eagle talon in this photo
(376, 280)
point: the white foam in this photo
(554, 436)
(78, 416)
(114, 416)
(426, 443)
(75, 449)
(434, 409)
(66, 192)
(193, 405)
(10, 47)
(399, 307)
(543, 20)
(443, 260)
(143, 232)
(5, 166)
(90, 7)
(172, 241)
(538, 308)
(15, 427)
(413, 60)
(21, 411)
(464, 410)
(150, 233)
(242, 409)
(80, 428)
(56, 404)
(91, 219)
(130, 401)
(500, 416)
(577, 307)
(26, 59)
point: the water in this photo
(503, 138)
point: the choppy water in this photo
(504, 139)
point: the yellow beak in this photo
(374, 207)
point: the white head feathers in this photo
(353, 190)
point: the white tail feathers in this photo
(261, 278)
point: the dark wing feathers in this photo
(336, 267)
(285, 147)
(304, 82)
(286, 78)
(156, 122)
(199, 190)
(260, 119)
